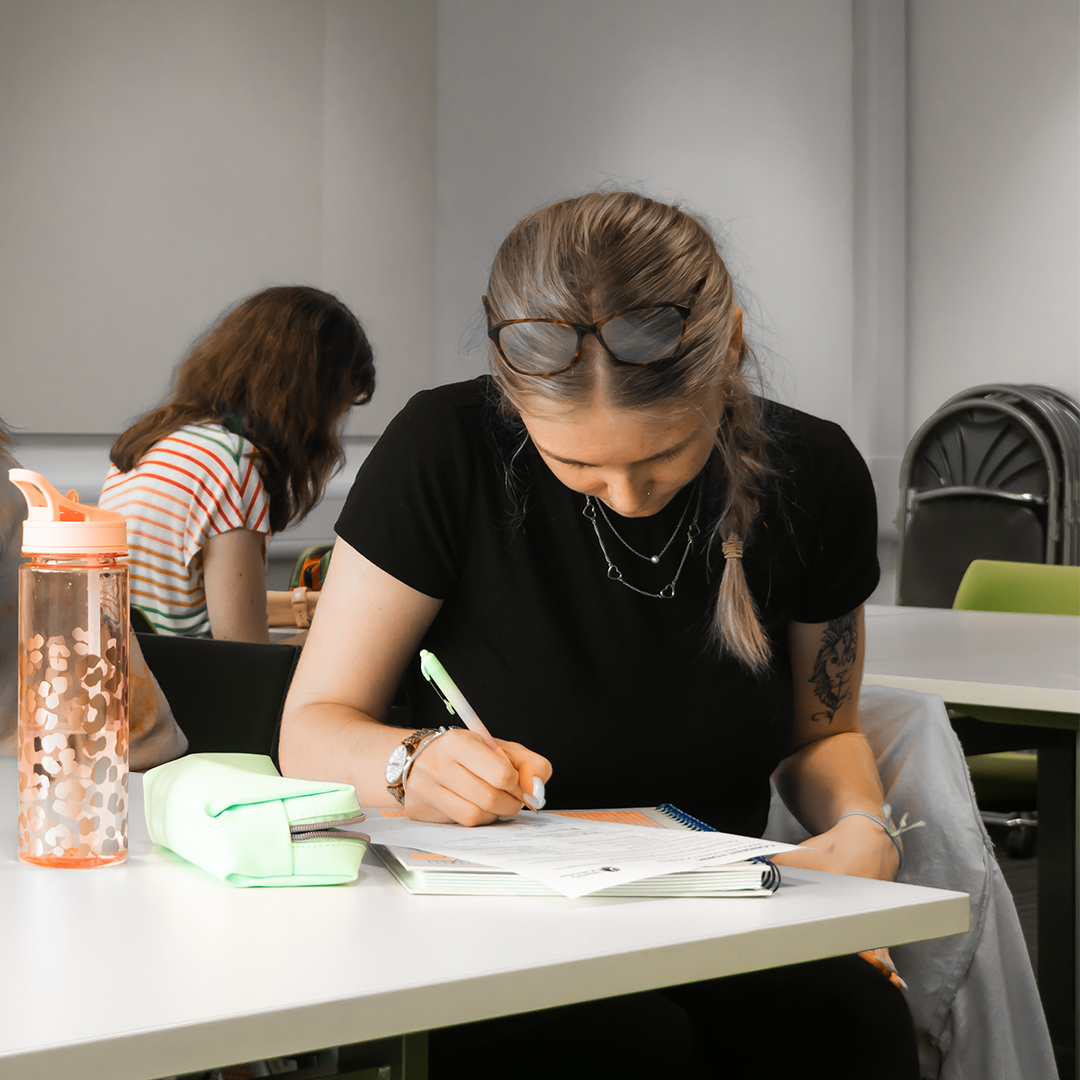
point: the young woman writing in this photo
(649, 581)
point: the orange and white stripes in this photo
(196, 483)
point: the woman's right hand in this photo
(458, 778)
(367, 629)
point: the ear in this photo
(736, 342)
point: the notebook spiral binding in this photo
(683, 818)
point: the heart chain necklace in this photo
(593, 505)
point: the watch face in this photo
(395, 764)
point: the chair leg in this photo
(1021, 826)
(1057, 899)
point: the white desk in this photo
(976, 657)
(1010, 661)
(153, 968)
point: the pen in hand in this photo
(456, 703)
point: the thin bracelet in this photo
(416, 753)
(891, 831)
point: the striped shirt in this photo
(196, 483)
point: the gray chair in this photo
(980, 480)
(973, 996)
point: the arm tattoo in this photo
(832, 668)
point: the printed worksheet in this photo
(572, 855)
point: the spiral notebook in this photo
(422, 872)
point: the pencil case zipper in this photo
(332, 829)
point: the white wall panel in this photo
(994, 209)
(159, 162)
(162, 160)
(741, 109)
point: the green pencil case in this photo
(238, 819)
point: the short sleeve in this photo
(214, 472)
(407, 510)
(835, 519)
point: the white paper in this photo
(575, 856)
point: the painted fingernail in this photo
(530, 802)
(538, 793)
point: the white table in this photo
(976, 657)
(153, 968)
(1006, 660)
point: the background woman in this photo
(641, 571)
(242, 447)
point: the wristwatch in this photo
(401, 758)
(299, 606)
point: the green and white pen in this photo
(456, 704)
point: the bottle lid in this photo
(61, 525)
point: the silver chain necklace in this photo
(615, 574)
(648, 558)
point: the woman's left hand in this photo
(855, 846)
(858, 847)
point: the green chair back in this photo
(1038, 588)
(1033, 588)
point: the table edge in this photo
(203, 1044)
(1001, 695)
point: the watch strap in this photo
(299, 606)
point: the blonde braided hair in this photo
(580, 258)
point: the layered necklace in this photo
(594, 511)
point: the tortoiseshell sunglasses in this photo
(641, 335)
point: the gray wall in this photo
(162, 160)
(741, 110)
(994, 190)
(895, 184)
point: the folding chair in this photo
(980, 480)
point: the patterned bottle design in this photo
(73, 717)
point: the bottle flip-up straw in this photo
(56, 524)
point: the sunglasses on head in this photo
(641, 335)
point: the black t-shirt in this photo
(623, 693)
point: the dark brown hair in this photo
(582, 258)
(284, 366)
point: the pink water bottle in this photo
(73, 663)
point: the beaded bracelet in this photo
(891, 830)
